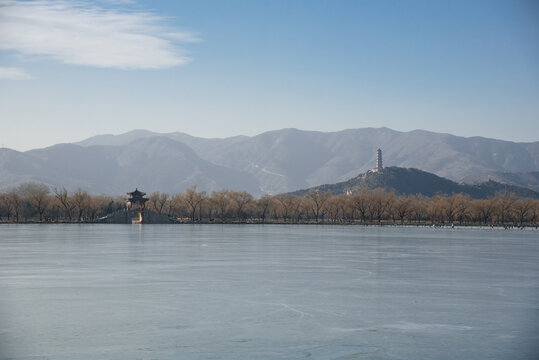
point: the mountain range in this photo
(272, 162)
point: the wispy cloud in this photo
(11, 73)
(183, 37)
(81, 33)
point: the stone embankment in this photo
(130, 216)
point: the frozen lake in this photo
(267, 292)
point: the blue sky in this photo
(70, 70)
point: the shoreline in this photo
(426, 226)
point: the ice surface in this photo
(267, 292)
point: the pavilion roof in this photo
(136, 193)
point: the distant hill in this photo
(272, 162)
(529, 179)
(404, 181)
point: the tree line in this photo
(33, 202)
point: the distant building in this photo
(135, 212)
(137, 202)
(378, 161)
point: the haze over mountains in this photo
(272, 162)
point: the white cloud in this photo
(80, 33)
(11, 73)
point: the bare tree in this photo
(299, 208)
(262, 206)
(435, 209)
(96, 206)
(419, 208)
(174, 206)
(403, 207)
(448, 208)
(346, 207)
(318, 202)
(389, 201)
(286, 205)
(522, 209)
(504, 204)
(157, 201)
(220, 200)
(377, 204)
(37, 196)
(239, 200)
(483, 209)
(333, 208)
(4, 207)
(15, 204)
(193, 199)
(462, 207)
(533, 213)
(64, 202)
(360, 203)
(80, 200)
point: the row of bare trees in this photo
(36, 202)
